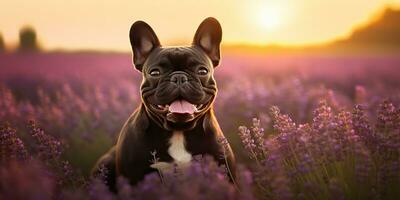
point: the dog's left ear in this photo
(208, 37)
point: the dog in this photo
(176, 118)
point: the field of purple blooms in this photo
(301, 126)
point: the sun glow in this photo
(269, 17)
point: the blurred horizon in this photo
(263, 26)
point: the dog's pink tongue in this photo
(182, 106)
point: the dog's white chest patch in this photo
(177, 151)
(177, 148)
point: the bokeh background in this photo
(68, 66)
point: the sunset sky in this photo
(104, 25)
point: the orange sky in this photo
(104, 25)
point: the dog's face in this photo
(178, 86)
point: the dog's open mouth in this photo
(181, 106)
(180, 110)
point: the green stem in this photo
(230, 172)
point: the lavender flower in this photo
(11, 146)
(29, 180)
(247, 141)
(48, 149)
(253, 140)
(363, 129)
(204, 179)
(99, 191)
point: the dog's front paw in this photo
(162, 166)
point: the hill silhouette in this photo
(381, 33)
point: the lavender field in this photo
(301, 126)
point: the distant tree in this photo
(2, 44)
(28, 40)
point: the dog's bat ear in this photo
(208, 37)
(143, 41)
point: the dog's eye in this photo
(202, 71)
(155, 72)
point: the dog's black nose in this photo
(179, 77)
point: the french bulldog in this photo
(176, 118)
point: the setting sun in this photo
(269, 17)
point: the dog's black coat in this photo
(169, 73)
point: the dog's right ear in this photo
(143, 41)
